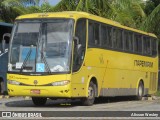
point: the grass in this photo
(158, 93)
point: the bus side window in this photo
(96, 33)
(79, 51)
(154, 47)
(91, 34)
(114, 38)
(126, 41)
(146, 46)
(138, 44)
(119, 39)
(94, 37)
(109, 36)
(81, 32)
(106, 36)
(130, 40)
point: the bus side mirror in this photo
(4, 41)
(76, 41)
(3, 45)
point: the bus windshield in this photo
(41, 46)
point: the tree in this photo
(10, 9)
(127, 12)
(133, 13)
(45, 7)
(151, 23)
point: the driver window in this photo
(79, 50)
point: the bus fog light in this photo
(60, 83)
(13, 82)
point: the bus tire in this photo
(91, 95)
(140, 91)
(39, 101)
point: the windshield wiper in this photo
(45, 62)
(26, 59)
(41, 52)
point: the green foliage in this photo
(127, 12)
(152, 22)
(132, 13)
(149, 7)
(10, 9)
(45, 7)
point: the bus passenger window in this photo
(109, 36)
(91, 34)
(128, 41)
(146, 46)
(106, 36)
(154, 47)
(138, 44)
(117, 39)
(114, 38)
(94, 38)
(96, 31)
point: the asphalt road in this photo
(116, 104)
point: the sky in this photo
(52, 2)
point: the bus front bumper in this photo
(40, 91)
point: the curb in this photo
(27, 98)
(4, 96)
(7, 97)
(1, 96)
(151, 98)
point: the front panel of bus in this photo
(40, 58)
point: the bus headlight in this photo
(60, 83)
(13, 82)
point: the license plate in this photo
(35, 91)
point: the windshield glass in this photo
(41, 46)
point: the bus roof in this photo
(75, 14)
(6, 24)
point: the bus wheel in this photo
(39, 101)
(91, 95)
(140, 91)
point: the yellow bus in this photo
(79, 55)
